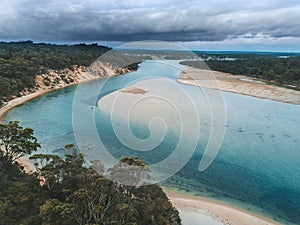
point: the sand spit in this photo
(238, 84)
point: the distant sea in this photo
(257, 167)
(262, 53)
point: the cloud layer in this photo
(169, 20)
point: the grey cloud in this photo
(157, 20)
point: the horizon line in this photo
(104, 44)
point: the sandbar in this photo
(133, 90)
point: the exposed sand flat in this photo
(238, 84)
(134, 90)
(226, 214)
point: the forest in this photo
(64, 191)
(279, 71)
(20, 62)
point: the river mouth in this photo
(258, 163)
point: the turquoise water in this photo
(257, 167)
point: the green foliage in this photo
(79, 195)
(20, 197)
(130, 171)
(54, 211)
(20, 62)
(283, 71)
(64, 192)
(15, 142)
(158, 209)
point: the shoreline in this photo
(28, 166)
(82, 78)
(221, 213)
(27, 97)
(238, 84)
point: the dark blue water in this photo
(257, 167)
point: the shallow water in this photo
(256, 168)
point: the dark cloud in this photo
(128, 20)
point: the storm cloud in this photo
(168, 20)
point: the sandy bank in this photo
(79, 75)
(238, 84)
(220, 212)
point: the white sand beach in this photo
(197, 211)
(238, 84)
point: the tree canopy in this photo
(20, 62)
(64, 191)
(15, 142)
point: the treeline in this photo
(282, 71)
(20, 62)
(64, 192)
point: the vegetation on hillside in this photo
(20, 62)
(281, 71)
(65, 192)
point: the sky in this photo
(258, 25)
